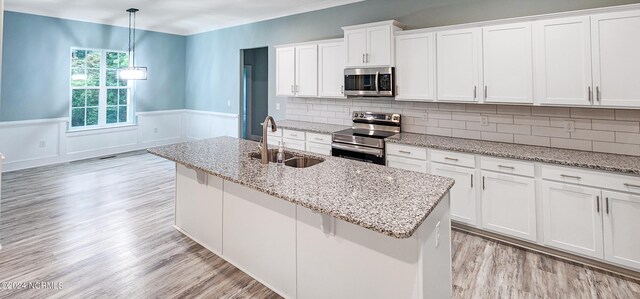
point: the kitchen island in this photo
(338, 229)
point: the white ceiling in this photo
(182, 17)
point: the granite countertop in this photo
(592, 160)
(309, 126)
(386, 200)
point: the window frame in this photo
(103, 88)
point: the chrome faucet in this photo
(263, 146)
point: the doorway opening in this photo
(254, 95)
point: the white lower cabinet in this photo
(509, 205)
(621, 225)
(407, 164)
(463, 194)
(199, 207)
(572, 218)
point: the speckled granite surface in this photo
(309, 126)
(599, 161)
(390, 201)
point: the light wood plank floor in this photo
(102, 228)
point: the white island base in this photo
(302, 254)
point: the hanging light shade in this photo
(132, 72)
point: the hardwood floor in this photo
(102, 228)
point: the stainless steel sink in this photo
(290, 159)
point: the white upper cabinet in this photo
(285, 71)
(370, 45)
(415, 67)
(460, 65)
(621, 223)
(616, 62)
(562, 49)
(331, 69)
(508, 72)
(307, 71)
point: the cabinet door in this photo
(331, 70)
(379, 46)
(463, 193)
(307, 71)
(509, 205)
(572, 218)
(355, 42)
(508, 73)
(460, 65)
(415, 67)
(621, 224)
(616, 63)
(285, 71)
(562, 49)
(199, 207)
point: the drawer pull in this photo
(451, 159)
(293, 135)
(598, 203)
(405, 152)
(631, 185)
(507, 167)
(564, 176)
(319, 139)
(607, 204)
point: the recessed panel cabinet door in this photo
(416, 67)
(460, 65)
(285, 71)
(355, 42)
(616, 63)
(331, 70)
(508, 72)
(463, 193)
(509, 205)
(379, 41)
(572, 218)
(307, 71)
(562, 48)
(621, 228)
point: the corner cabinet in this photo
(370, 44)
(297, 71)
(416, 67)
(459, 67)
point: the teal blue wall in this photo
(213, 57)
(35, 66)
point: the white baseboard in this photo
(34, 143)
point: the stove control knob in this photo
(395, 117)
(388, 117)
(355, 115)
(361, 115)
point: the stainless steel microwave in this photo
(369, 82)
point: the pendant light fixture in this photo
(132, 72)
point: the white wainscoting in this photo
(33, 143)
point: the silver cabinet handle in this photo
(451, 159)
(293, 135)
(598, 96)
(485, 92)
(607, 204)
(367, 57)
(590, 94)
(564, 176)
(598, 203)
(363, 58)
(405, 152)
(342, 89)
(397, 89)
(319, 139)
(482, 183)
(472, 181)
(631, 185)
(475, 94)
(292, 91)
(506, 167)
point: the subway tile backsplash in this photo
(601, 130)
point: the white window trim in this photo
(102, 103)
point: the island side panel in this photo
(198, 210)
(259, 237)
(337, 259)
(435, 237)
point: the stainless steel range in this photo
(365, 140)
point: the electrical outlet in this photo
(438, 234)
(484, 120)
(42, 144)
(155, 130)
(277, 106)
(569, 126)
(425, 116)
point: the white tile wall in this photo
(602, 130)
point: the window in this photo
(98, 98)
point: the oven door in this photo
(375, 82)
(359, 153)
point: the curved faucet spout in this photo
(263, 149)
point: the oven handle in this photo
(358, 149)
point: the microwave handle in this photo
(377, 85)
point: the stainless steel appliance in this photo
(369, 82)
(365, 140)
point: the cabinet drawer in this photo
(453, 158)
(277, 133)
(318, 148)
(294, 144)
(319, 138)
(603, 179)
(274, 140)
(407, 151)
(291, 134)
(407, 164)
(508, 166)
